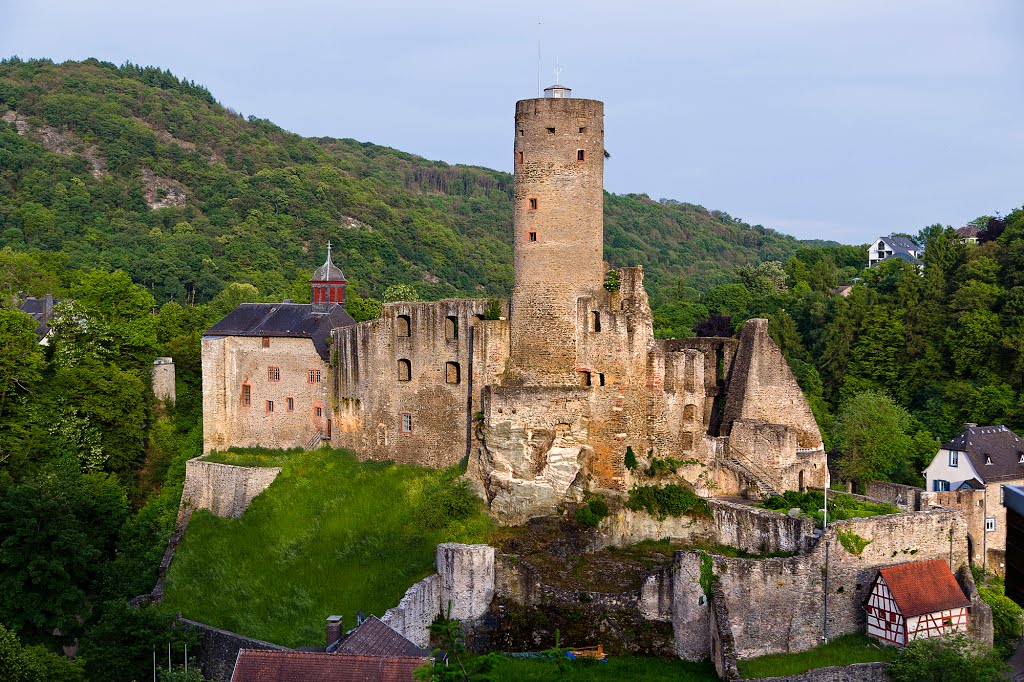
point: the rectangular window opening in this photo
(451, 328)
(585, 379)
(583, 129)
(600, 379)
(954, 458)
(270, 406)
(246, 395)
(533, 236)
(406, 426)
(291, 404)
(266, 342)
(581, 155)
(596, 315)
(990, 524)
(533, 204)
(551, 131)
(273, 373)
(318, 411)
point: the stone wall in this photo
(907, 497)
(758, 531)
(163, 380)
(775, 605)
(986, 547)
(224, 489)
(858, 672)
(218, 649)
(419, 607)
(232, 362)
(415, 362)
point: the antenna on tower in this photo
(538, 59)
(558, 73)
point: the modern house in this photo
(971, 473)
(885, 248)
(968, 234)
(916, 600)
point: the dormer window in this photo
(988, 459)
(1021, 460)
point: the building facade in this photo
(916, 600)
(886, 248)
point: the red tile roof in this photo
(308, 666)
(921, 587)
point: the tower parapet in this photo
(559, 231)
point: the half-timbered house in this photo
(916, 600)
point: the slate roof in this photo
(374, 638)
(998, 443)
(41, 310)
(296, 320)
(921, 587)
(328, 272)
(254, 665)
(899, 244)
(968, 231)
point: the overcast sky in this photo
(832, 119)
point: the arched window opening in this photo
(404, 370)
(452, 373)
(402, 326)
(451, 328)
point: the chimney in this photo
(333, 630)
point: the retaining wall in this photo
(218, 649)
(224, 489)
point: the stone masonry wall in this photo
(230, 362)
(224, 489)
(858, 672)
(988, 547)
(775, 605)
(905, 497)
(433, 343)
(741, 526)
(419, 607)
(218, 649)
(163, 380)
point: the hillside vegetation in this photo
(330, 536)
(133, 168)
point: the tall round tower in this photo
(559, 231)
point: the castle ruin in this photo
(543, 401)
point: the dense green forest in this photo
(151, 211)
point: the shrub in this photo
(631, 462)
(446, 502)
(853, 543)
(590, 514)
(670, 500)
(611, 280)
(946, 658)
(1007, 618)
(493, 310)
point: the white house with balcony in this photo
(886, 248)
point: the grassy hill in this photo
(133, 168)
(319, 541)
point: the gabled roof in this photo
(899, 244)
(296, 320)
(968, 231)
(254, 665)
(971, 484)
(374, 638)
(41, 310)
(997, 444)
(921, 587)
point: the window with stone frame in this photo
(291, 404)
(405, 425)
(246, 395)
(314, 376)
(404, 370)
(270, 406)
(266, 342)
(273, 373)
(318, 411)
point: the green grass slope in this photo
(133, 168)
(330, 536)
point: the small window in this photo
(947, 622)
(318, 411)
(600, 379)
(596, 317)
(314, 376)
(406, 425)
(519, 157)
(404, 370)
(585, 379)
(988, 460)
(452, 373)
(581, 155)
(990, 524)
(533, 236)
(954, 458)
(266, 342)
(940, 486)
(451, 328)
(246, 395)
(291, 404)
(533, 203)
(521, 132)
(583, 129)
(551, 131)
(402, 325)
(270, 406)
(273, 373)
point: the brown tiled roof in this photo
(921, 587)
(306, 666)
(996, 444)
(374, 638)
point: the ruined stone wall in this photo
(224, 489)
(231, 362)
(775, 605)
(772, 453)
(762, 388)
(988, 547)
(758, 531)
(558, 233)
(163, 380)
(719, 355)
(905, 497)
(858, 672)
(420, 606)
(415, 360)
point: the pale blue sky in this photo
(832, 119)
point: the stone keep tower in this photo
(559, 232)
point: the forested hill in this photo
(133, 168)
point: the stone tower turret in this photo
(559, 232)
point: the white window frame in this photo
(990, 524)
(954, 458)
